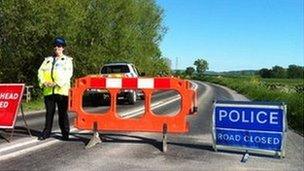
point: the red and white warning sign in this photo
(10, 98)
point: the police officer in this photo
(54, 77)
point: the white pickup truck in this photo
(118, 70)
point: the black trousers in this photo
(50, 102)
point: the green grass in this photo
(33, 105)
(255, 89)
(289, 82)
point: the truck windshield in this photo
(114, 69)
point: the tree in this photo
(97, 32)
(189, 71)
(278, 72)
(26, 33)
(178, 73)
(265, 73)
(295, 71)
(201, 66)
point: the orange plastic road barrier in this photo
(149, 122)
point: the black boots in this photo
(43, 136)
(65, 137)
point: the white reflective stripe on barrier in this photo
(145, 83)
(113, 83)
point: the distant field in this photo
(285, 85)
(290, 91)
(283, 81)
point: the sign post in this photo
(10, 99)
(250, 127)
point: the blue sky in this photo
(233, 34)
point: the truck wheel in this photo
(105, 99)
(132, 98)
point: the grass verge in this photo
(253, 88)
(34, 105)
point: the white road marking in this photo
(39, 145)
(206, 93)
(194, 85)
(17, 145)
(26, 150)
(154, 106)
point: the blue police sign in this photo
(249, 125)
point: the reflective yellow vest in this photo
(57, 70)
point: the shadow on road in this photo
(124, 138)
(19, 131)
(107, 138)
(194, 146)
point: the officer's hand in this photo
(49, 84)
(46, 84)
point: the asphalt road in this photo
(142, 151)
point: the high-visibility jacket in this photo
(58, 70)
